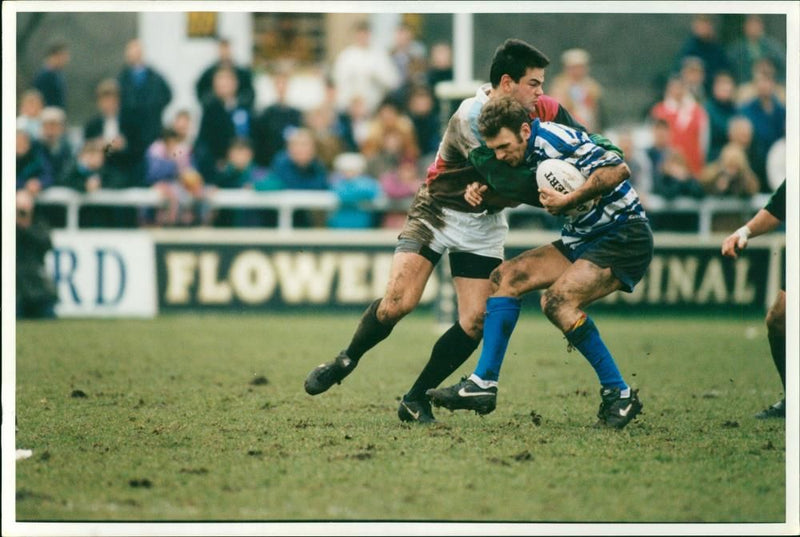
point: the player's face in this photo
(509, 146)
(529, 88)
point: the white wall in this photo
(181, 60)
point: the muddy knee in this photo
(393, 308)
(551, 303)
(508, 280)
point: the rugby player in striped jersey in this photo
(600, 251)
(439, 221)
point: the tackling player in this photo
(600, 251)
(440, 221)
(765, 220)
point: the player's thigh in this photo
(530, 270)
(407, 279)
(582, 283)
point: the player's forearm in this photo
(600, 182)
(763, 222)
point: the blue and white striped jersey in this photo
(552, 140)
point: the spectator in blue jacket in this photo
(354, 189)
(299, 168)
(49, 80)
(768, 116)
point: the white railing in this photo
(286, 202)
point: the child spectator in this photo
(399, 186)
(86, 175)
(354, 188)
(29, 119)
(299, 168)
(240, 172)
(165, 163)
(33, 172)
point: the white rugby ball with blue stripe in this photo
(562, 177)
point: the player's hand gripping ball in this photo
(562, 177)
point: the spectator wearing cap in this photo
(50, 80)
(355, 189)
(57, 150)
(577, 91)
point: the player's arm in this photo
(507, 183)
(764, 221)
(602, 180)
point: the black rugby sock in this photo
(777, 345)
(450, 351)
(370, 332)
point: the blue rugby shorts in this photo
(627, 249)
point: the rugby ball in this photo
(562, 177)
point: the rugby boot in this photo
(415, 410)
(615, 411)
(465, 395)
(326, 375)
(778, 410)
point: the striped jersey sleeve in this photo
(622, 204)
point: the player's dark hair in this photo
(501, 112)
(513, 58)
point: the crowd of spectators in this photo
(713, 132)
(722, 112)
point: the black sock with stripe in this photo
(450, 351)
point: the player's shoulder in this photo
(546, 108)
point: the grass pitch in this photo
(186, 418)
